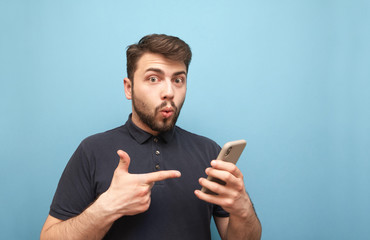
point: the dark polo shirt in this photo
(175, 212)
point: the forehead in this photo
(155, 60)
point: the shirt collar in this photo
(141, 136)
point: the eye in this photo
(153, 79)
(178, 80)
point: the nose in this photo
(167, 91)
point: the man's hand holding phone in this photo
(231, 196)
(224, 185)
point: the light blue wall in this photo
(291, 77)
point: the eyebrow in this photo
(160, 71)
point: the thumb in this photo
(124, 160)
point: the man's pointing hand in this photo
(129, 194)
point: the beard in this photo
(149, 118)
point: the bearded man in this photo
(152, 192)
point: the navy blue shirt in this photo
(174, 213)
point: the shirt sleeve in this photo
(75, 188)
(219, 212)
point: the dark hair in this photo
(170, 47)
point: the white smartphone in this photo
(230, 152)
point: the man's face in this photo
(158, 92)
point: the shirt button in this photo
(157, 167)
(155, 139)
(157, 152)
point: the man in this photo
(153, 193)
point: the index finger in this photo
(160, 176)
(227, 166)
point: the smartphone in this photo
(230, 152)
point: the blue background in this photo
(291, 77)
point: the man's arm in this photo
(92, 223)
(243, 222)
(128, 194)
(237, 229)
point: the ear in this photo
(127, 83)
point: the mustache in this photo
(164, 104)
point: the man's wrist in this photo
(103, 208)
(247, 214)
